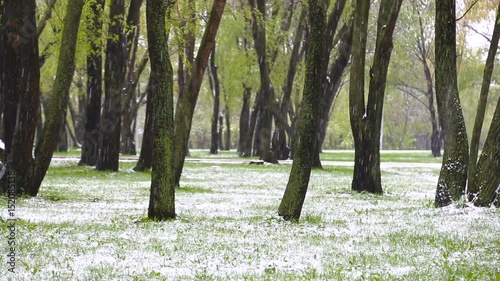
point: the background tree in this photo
(453, 175)
(366, 120)
(162, 198)
(114, 79)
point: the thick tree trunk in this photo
(187, 104)
(243, 149)
(481, 106)
(266, 94)
(59, 103)
(21, 89)
(215, 86)
(162, 196)
(308, 124)
(453, 175)
(366, 122)
(114, 79)
(90, 144)
(146, 156)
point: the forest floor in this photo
(89, 225)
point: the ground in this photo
(88, 225)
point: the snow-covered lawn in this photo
(88, 225)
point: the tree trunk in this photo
(21, 88)
(162, 196)
(243, 150)
(481, 106)
(59, 103)
(366, 122)
(228, 124)
(62, 139)
(453, 175)
(187, 104)
(266, 94)
(487, 178)
(90, 144)
(308, 123)
(215, 86)
(114, 79)
(146, 157)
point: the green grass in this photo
(89, 225)
(408, 156)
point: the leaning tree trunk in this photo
(146, 156)
(308, 123)
(114, 79)
(59, 103)
(366, 122)
(215, 86)
(186, 104)
(90, 144)
(453, 175)
(162, 196)
(21, 88)
(481, 106)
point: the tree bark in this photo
(308, 124)
(21, 88)
(90, 144)
(243, 150)
(453, 175)
(162, 196)
(366, 122)
(228, 124)
(187, 104)
(481, 106)
(215, 86)
(59, 103)
(114, 79)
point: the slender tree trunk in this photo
(114, 79)
(281, 149)
(59, 103)
(62, 139)
(335, 74)
(453, 175)
(486, 180)
(481, 106)
(308, 124)
(21, 85)
(266, 94)
(366, 122)
(146, 156)
(90, 144)
(187, 104)
(243, 150)
(228, 124)
(162, 197)
(215, 86)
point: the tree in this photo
(187, 103)
(366, 120)
(146, 156)
(162, 196)
(481, 106)
(215, 86)
(453, 175)
(57, 114)
(114, 79)
(20, 87)
(308, 123)
(90, 144)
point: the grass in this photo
(88, 225)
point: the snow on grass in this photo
(88, 225)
